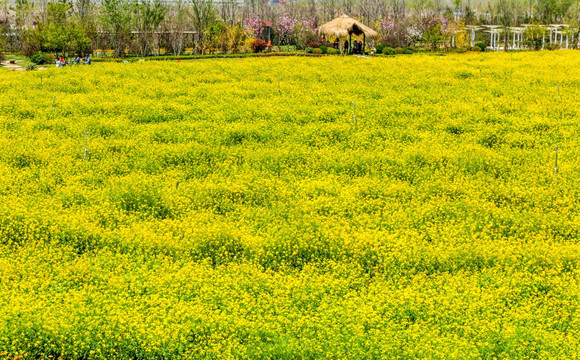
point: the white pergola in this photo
(565, 31)
(554, 29)
(519, 33)
(453, 32)
(473, 29)
(557, 33)
(493, 35)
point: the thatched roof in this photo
(343, 26)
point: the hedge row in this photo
(195, 57)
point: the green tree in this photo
(202, 14)
(217, 36)
(547, 10)
(61, 31)
(534, 36)
(573, 19)
(28, 37)
(148, 16)
(116, 19)
(504, 16)
(433, 36)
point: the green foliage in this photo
(43, 58)
(202, 15)
(433, 36)
(389, 51)
(454, 129)
(38, 59)
(399, 51)
(475, 48)
(324, 49)
(308, 50)
(62, 34)
(116, 19)
(147, 16)
(379, 48)
(317, 51)
(481, 45)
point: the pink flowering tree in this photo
(414, 33)
(310, 24)
(255, 25)
(306, 32)
(387, 26)
(394, 33)
(285, 27)
(445, 25)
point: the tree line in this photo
(150, 27)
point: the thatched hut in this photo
(344, 26)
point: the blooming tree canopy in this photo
(285, 27)
(255, 24)
(387, 26)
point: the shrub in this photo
(389, 51)
(476, 48)
(317, 51)
(38, 59)
(407, 51)
(399, 50)
(31, 67)
(42, 58)
(314, 44)
(309, 50)
(324, 49)
(258, 45)
(379, 49)
(481, 45)
(332, 51)
(49, 58)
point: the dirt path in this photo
(17, 66)
(14, 67)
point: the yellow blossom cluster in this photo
(292, 208)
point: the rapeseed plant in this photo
(219, 215)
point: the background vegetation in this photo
(154, 27)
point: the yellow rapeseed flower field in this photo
(248, 209)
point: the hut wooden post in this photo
(364, 44)
(349, 42)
